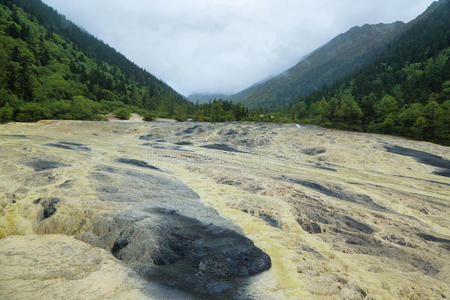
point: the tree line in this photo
(60, 71)
(405, 91)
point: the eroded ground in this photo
(92, 210)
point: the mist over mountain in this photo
(404, 91)
(341, 56)
(206, 97)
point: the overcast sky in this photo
(225, 45)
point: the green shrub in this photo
(99, 118)
(83, 108)
(122, 113)
(6, 113)
(61, 109)
(148, 117)
(31, 112)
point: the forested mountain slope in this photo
(341, 56)
(405, 91)
(50, 68)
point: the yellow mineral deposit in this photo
(339, 215)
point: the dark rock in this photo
(424, 158)
(19, 136)
(196, 251)
(352, 236)
(270, 220)
(37, 200)
(72, 144)
(191, 255)
(442, 172)
(311, 250)
(424, 210)
(49, 207)
(149, 137)
(107, 189)
(359, 240)
(398, 240)
(357, 289)
(100, 177)
(196, 128)
(231, 132)
(337, 192)
(183, 143)
(310, 227)
(69, 146)
(108, 169)
(426, 180)
(41, 165)
(218, 287)
(446, 247)
(352, 223)
(66, 184)
(165, 147)
(432, 238)
(313, 151)
(137, 163)
(420, 156)
(325, 168)
(368, 245)
(228, 182)
(155, 145)
(119, 244)
(221, 147)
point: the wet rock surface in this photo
(270, 220)
(423, 157)
(221, 147)
(314, 151)
(19, 136)
(267, 222)
(206, 260)
(69, 146)
(43, 165)
(337, 192)
(310, 227)
(137, 163)
(183, 143)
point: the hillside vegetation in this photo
(50, 68)
(406, 91)
(341, 56)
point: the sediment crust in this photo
(265, 211)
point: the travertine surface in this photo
(339, 215)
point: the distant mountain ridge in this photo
(341, 56)
(403, 91)
(206, 98)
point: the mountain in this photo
(404, 91)
(206, 98)
(338, 58)
(51, 68)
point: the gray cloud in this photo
(225, 45)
